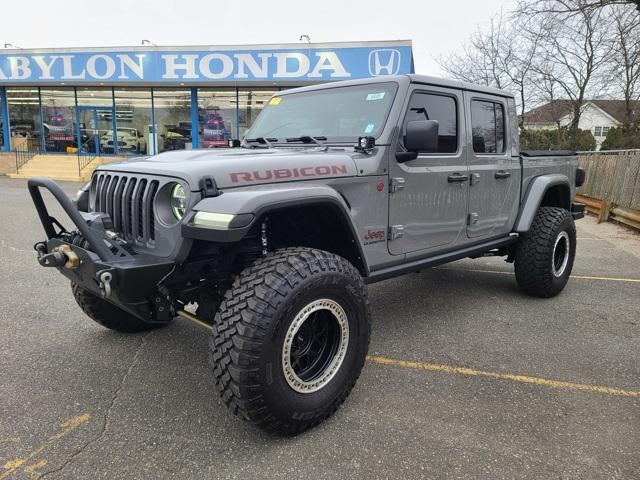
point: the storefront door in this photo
(95, 130)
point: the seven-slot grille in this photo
(128, 200)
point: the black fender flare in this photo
(252, 203)
(538, 187)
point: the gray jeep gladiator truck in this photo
(272, 244)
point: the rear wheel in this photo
(544, 256)
(290, 339)
(107, 314)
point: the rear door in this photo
(428, 195)
(494, 173)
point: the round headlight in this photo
(178, 201)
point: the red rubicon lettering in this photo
(240, 177)
(281, 173)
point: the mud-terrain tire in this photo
(282, 357)
(107, 314)
(544, 255)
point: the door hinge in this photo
(396, 231)
(396, 184)
(473, 218)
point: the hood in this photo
(240, 167)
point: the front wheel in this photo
(290, 339)
(544, 256)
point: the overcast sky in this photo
(436, 27)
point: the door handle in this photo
(457, 177)
(502, 174)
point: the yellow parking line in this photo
(580, 277)
(68, 426)
(434, 367)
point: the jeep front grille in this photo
(128, 200)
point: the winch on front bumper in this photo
(98, 260)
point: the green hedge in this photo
(620, 138)
(557, 139)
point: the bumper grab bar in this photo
(34, 184)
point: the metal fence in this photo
(612, 176)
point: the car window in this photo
(427, 106)
(487, 126)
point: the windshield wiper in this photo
(262, 141)
(308, 139)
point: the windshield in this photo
(339, 114)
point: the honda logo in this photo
(384, 62)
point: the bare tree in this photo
(625, 63)
(501, 56)
(536, 7)
(483, 58)
(574, 51)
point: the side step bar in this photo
(424, 263)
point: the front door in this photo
(95, 130)
(428, 195)
(494, 172)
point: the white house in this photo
(598, 116)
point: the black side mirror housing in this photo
(421, 136)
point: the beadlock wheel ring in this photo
(561, 251)
(328, 320)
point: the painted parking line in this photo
(579, 277)
(67, 427)
(470, 372)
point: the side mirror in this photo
(422, 136)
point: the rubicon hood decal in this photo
(289, 173)
(240, 167)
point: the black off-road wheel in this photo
(544, 256)
(290, 339)
(107, 314)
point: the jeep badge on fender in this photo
(272, 244)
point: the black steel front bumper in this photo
(104, 264)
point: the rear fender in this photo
(536, 192)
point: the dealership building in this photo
(114, 102)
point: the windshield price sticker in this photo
(275, 101)
(375, 96)
(369, 128)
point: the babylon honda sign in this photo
(278, 63)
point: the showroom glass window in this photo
(251, 103)
(95, 104)
(58, 119)
(24, 117)
(173, 119)
(216, 117)
(427, 106)
(133, 121)
(487, 126)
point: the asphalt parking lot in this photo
(468, 378)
